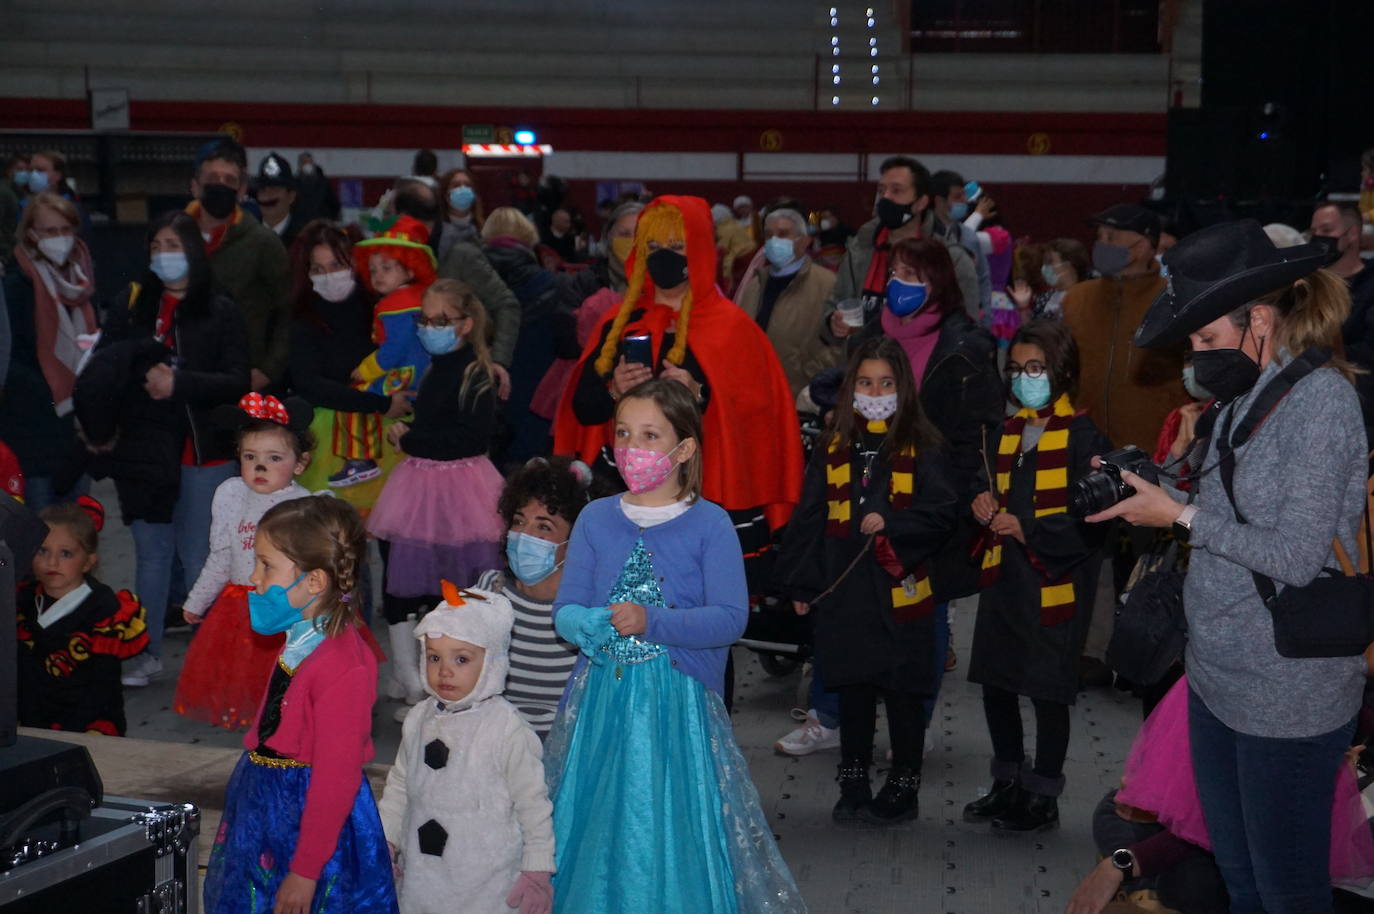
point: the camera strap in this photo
(1260, 410)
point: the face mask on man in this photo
(1110, 259)
(21, 177)
(958, 211)
(779, 251)
(218, 200)
(892, 215)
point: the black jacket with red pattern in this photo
(69, 671)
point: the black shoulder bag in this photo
(1334, 615)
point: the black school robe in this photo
(1011, 649)
(69, 671)
(857, 639)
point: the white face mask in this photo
(875, 409)
(335, 286)
(57, 249)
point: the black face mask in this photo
(1227, 373)
(219, 200)
(892, 215)
(667, 268)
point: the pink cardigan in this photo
(326, 721)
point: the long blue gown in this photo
(654, 808)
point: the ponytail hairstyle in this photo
(1310, 313)
(908, 428)
(481, 374)
(662, 223)
(319, 532)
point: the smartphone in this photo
(639, 348)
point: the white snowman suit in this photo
(465, 801)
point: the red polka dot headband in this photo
(264, 407)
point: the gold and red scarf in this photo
(912, 596)
(1057, 599)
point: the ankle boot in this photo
(1000, 799)
(856, 792)
(1032, 812)
(897, 801)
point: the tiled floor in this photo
(935, 864)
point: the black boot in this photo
(1000, 799)
(1033, 812)
(897, 801)
(856, 792)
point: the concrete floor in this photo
(936, 864)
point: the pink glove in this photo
(532, 894)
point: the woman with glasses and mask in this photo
(48, 296)
(1038, 577)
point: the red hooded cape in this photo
(751, 443)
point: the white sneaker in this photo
(810, 737)
(140, 669)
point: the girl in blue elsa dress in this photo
(654, 809)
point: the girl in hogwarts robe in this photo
(1037, 582)
(876, 504)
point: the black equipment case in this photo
(130, 857)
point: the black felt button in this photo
(432, 838)
(436, 754)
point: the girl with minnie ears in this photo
(228, 664)
(73, 630)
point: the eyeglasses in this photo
(439, 323)
(1033, 370)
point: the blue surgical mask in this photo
(38, 182)
(904, 297)
(271, 612)
(170, 266)
(958, 211)
(779, 251)
(21, 177)
(462, 197)
(1032, 393)
(1049, 274)
(438, 340)
(531, 559)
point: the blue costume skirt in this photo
(654, 808)
(257, 838)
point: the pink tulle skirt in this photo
(440, 518)
(1159, 779)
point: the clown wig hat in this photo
(407, 240)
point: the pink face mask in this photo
(643, 469)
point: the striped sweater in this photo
(540, 661)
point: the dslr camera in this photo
(1102, 488)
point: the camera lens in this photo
(1093, 493)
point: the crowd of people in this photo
(581, 457)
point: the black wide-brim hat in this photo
(1214, 271)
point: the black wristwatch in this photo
(1183, 525)
(1124, 861)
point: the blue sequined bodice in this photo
(636, 584)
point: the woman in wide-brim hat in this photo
(1267, 732)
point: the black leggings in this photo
(1003, 712)
(906, 725)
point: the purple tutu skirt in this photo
(440, 518)
(1159, 779)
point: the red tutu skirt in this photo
(227, 665)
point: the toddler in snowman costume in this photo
(465, 810)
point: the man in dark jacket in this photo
(275, 190)
(247, 259)
(315, 197)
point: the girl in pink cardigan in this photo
(300, 830)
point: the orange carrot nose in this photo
(451, 594)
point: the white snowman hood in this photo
(478, 617)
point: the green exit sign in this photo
(479, 133)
